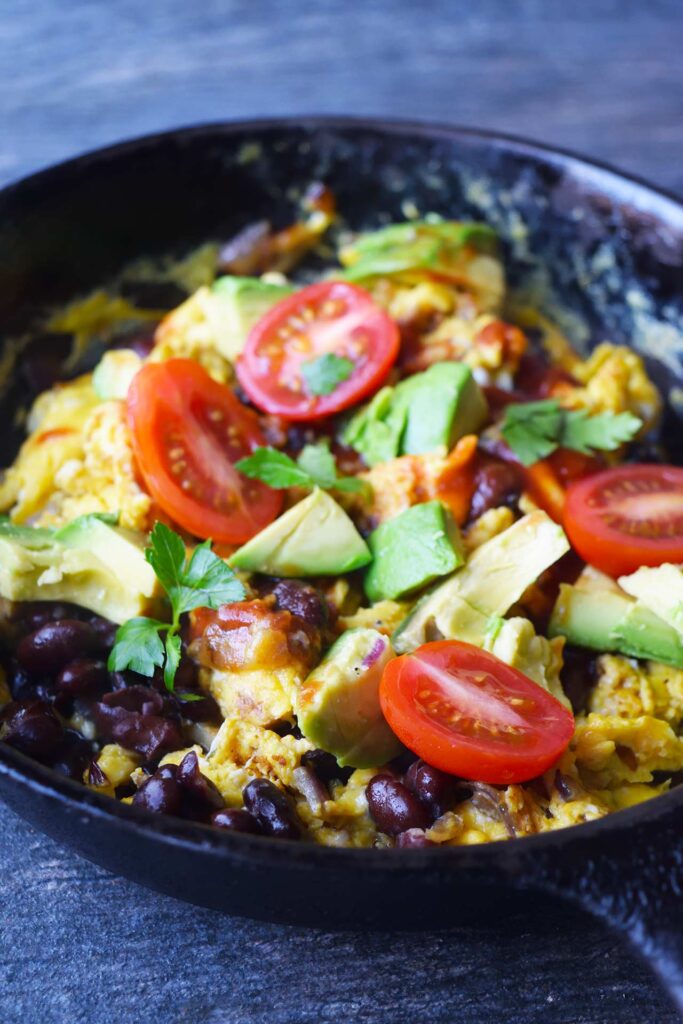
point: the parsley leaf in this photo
(324, 374)
(315, 467)
(604, 431)
(210, 581)
(536, 429)
(138, 647)
(205, 581)
(274, 468)
(532, 429)
(318, 461)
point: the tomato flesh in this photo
(468, 713)
(187, 431)
(626, 517)
(331, 318)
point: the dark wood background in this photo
(78, 946)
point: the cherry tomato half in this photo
(465, 711)
(187, 432)
(626, 517)
(332, 318)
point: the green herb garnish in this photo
(535, 430)
(315, 467)
(202, 581)
(324, 374)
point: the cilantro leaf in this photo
(532, 429)
(205, 581)
(315, 467)
(274, 468)
(210, 581)
(605, 431)
(138, 646)
(172, 650)
(318, 462)
(324, 374)
(536, 429)
(166, 555)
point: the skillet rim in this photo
(35, 777)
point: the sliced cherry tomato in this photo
(187, 432)
(465, 711)
(626, 517)
(331, 318)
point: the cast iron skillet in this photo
(605, 246)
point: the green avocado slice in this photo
(493, 579)
(411, 550)
(338, 707)
(313, 538)
(606, 620)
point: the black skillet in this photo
(602, 245)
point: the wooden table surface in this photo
(78, 946)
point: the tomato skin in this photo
(645, 490)
(269, 367)
(524, 739)
(187, 431)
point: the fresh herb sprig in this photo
(324, 374)
(315, 467)
(202, 581)
(535, 430)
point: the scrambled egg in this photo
(410, 479)
(613, 379)
(55, 425)
(629, 689)
(194, 331)
(102, 478)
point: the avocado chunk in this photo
(492, 580)
(238, 303)
(659, 589)
(114, 373)
(429, 412)
(516, 643)
(375, 431)
(338, 707)
(612, 621)
(442, 405)
(313, 538)
(89, 563)
(411, 550)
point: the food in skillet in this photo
(366, 561)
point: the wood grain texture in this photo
(601, 76)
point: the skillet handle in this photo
(632, 879)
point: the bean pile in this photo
(55, 660)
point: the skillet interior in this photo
(602, 252)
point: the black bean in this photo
(105, 632)
(72, 755)
(234, 820)
(272, 808)
(82, 676)
(496, 483)
(133, 717)
(325, 766)
(25, 687)
(34, 614)
(32, 727)
(393, 807)
(161, 793)
(302, 600)
(434, 788)
(200, 793)
(55, 644)
(412, 839)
